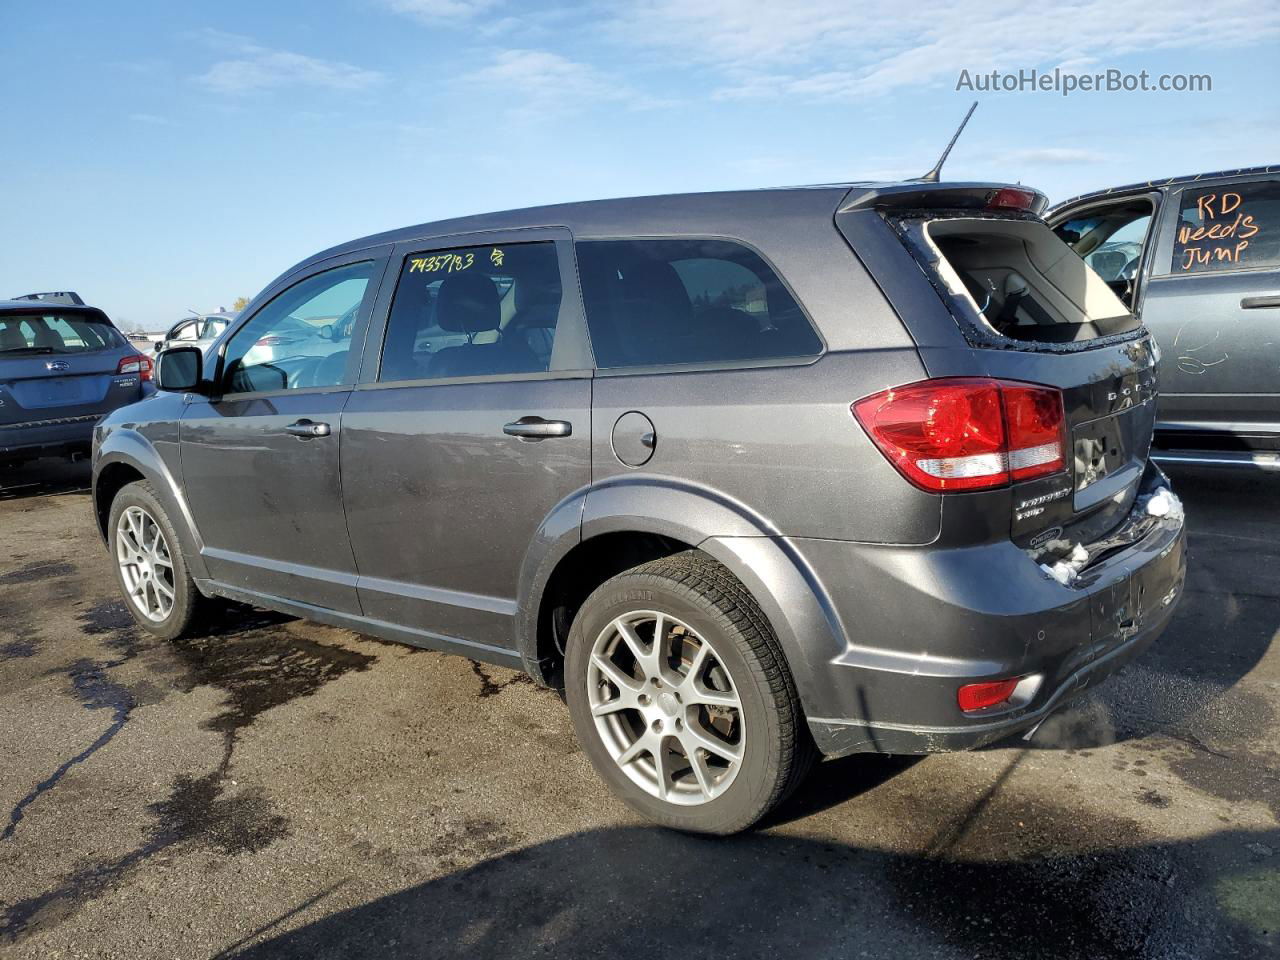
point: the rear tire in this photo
(703, 740)
(150, 568)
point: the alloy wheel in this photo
(146, 565)
(665, 707)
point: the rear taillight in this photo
(967, 434)
(136, 363)
(1034, 419)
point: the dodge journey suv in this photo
(753, 477)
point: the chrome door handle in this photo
(306, 429)
(1260, 303)
(535, 428)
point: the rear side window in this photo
(56, 333)
(1234, 227)
(1015, 280)
(658, 302)
(473, 312)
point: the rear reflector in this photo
(1009, 198)
(967, 434)
(979, 696)
(138, 364)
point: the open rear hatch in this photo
(1031, 311)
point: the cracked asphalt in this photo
(282, 789)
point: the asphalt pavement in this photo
(282, 789)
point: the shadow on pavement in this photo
(640, 892)
(43, 478)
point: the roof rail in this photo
(57, 296)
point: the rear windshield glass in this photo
(658, 302)
(1016, 281)
(56, 333)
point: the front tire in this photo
(700, 729)
(150, 568)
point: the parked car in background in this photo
(63, 365)
(752, 476)
(1197, 258)
(56, 296)
(198, 331)
(147, 340)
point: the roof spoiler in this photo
(69, 297)
(947, 196)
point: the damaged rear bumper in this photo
(975, 614)
(837, 738)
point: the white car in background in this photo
(198, 331)
(296, 343)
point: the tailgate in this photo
(1109, 398)
(60, 364)
(45, 387)
(1030, 310)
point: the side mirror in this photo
(178, 370)
(327, 332)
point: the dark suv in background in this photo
(1198, 260)
(63, 366)
(752, 476)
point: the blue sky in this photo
(163, 156)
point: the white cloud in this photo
(834, 49)
(253, 67)
(547, 81)
(437, 10)
(1050, 157)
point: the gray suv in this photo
(1197, 258)
(753, 477)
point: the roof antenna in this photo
(932, 175)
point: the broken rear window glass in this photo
(1014, 280)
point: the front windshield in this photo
(55, 333)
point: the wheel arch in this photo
(126, 457)
(636, 519)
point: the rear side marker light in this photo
(1009, 198)
(138, 364)
(967, 433)
(980, 696)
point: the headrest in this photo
(46, 337)
(11, 337)
(656, 284)
(537, 292)
(468, 303)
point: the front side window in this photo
(1229, 227)
(658, 302)
(295, 341)
(473, 312)
(56, 333)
